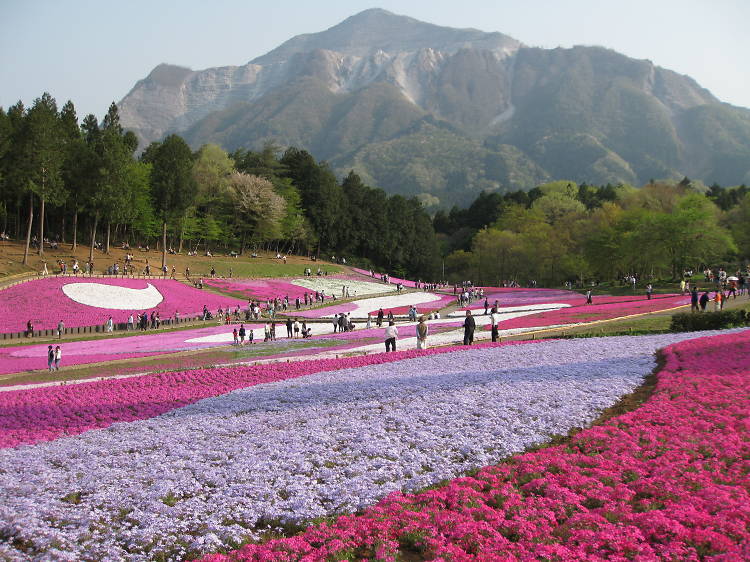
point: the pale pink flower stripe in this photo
(667, 481)
(44, 414)
(43, 302)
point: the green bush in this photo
(693, 322)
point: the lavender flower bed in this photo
(45, 302)
(210, 474)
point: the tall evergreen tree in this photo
(45, 153)
(172, 182)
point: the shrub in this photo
(691, 322)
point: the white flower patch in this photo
(100, 295)
(335, 286)
(210, 473)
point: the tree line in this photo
(562, 231)
(65, 180)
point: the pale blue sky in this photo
(94, 51)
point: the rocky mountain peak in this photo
(168, 75)
(374, 30)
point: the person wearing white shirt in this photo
(494, 320)
(391, 335)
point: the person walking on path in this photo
(289, 328)
(422, 331)
(649, 291)
(296, 328)
(130, 322)
(391, 335)
(588, 297)
(241, 333)
(50, 358)
(60, 329)
(469, 327)
(235, 337)
(58, 357)
(718, 301)
(380, 318)
(694, 300)
(494, 320)
(109, 325)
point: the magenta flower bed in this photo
(591, 313)
(393, 280)
(44, 414)
(266, 289)
(43, 302)
(261, 289)
(666, 481)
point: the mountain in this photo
(442, 113)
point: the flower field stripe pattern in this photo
(265, 289)
(43, 414)
(44, 303)
(583, 314)
(203, 476)
(666, 481)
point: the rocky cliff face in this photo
(373, 46)
(442, 113)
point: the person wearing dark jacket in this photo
(469, 327)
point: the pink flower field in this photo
(668, 480)
(44, 303)
(590, 313)
(261, 289)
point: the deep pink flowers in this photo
(44, 303)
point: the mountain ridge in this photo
(584, 113)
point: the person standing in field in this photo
(704, 301)
(422, 331)
(241, 333)
(494, 321)
(58, 357)
(391, 335)
(50, 358)
(469, 327)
